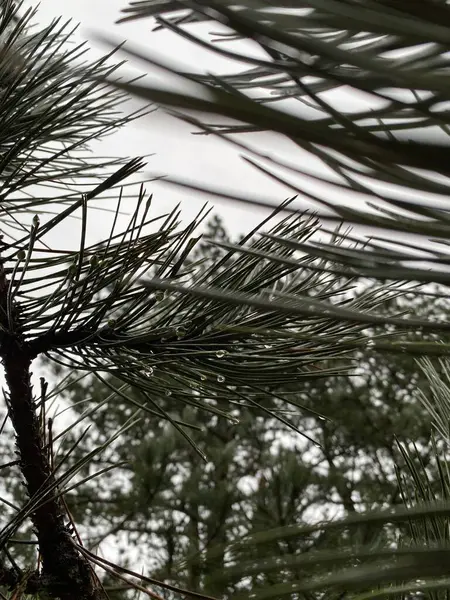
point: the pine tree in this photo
(177, 511)
(393, 152)
(131, 307)
(378, 146)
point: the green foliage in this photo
(361, 87)
(396, 54)
(181, 513)
(187, 344)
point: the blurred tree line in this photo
(175, 512)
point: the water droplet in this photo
(149, 371)
(36, 221)
(180, 331)
(220, 353)
(220, 378)
(203, 377)
(21, 254)
(159, 295)
(71, 271)
(111, 323)
(168, 393)
(267, 346)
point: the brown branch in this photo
(66, 574)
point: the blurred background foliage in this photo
(336, 485)
(371, 449)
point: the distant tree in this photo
(385, 170)
(176, 511)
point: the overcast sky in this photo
(176, 151)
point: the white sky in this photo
(177, 152)
(205, 160)
(202, 159)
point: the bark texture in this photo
(65, 573)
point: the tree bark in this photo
(65, 573)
